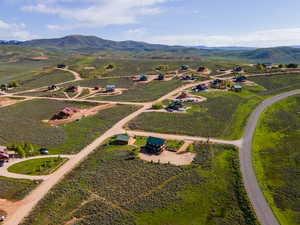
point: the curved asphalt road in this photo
(263, 211)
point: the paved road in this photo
(262, 208)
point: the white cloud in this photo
(267, 38)
(93, 13)
(12, 31)
(137, 33)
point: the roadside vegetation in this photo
(15, 189)
(28, 125)
(111, 187)
(43, 166)
(277, 158)
(275, 84)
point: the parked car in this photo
(44, 151)
(2, 218)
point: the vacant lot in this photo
(275, 84)
(145, 92)
(277, 158)
(16, 62)
(124, 82)
(129, 67)
(42, 166)
(112, 188)
(44, 79)
(15, 189)
(224, 116)
(23, 123)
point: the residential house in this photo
(110, 88)
(161, 77)
(61, 66)
(124, 139)
(66, 113)
(177, 105)
(238, 69)
(240, 78)
(183, 95)
(236, 88)
(184, 67)
(72, 89)
(201, 69)
(155, 145)
(200, 87)
(52, 87)
(4, 156)
(143, 77)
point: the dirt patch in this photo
(72, 221)
(83, 113)
(89, 68)
(7, 101)
(8, 207)
(184, 148)
(170, 157)
(40, 58)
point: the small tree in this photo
(157, 106)
(21, 151)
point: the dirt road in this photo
(261, 206)
(76, 75)
(30, 201)
(4, 172)
(183, 137)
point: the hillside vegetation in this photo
(277, 158)
(110, 189)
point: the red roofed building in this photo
(66, 113)
(183, 95)
(72, 89)
(3, 154)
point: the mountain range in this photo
(93, 44)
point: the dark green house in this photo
(122, 139)
(155, 145)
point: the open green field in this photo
(275, 84)
(23, 123)
(43, 166)
(45, 78)
(123, 82)
(15, 189)
(224, 115)
(16, 62)
(145, 92)
(277, 158)
(111, 188)
(129, 67)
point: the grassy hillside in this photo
(94, 44)
(109, 189)
(23, 122)
(277, 158)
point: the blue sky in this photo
(260, 23)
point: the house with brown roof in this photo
(183, 95)
(72, 89)
(66, 113)
(4, 156)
